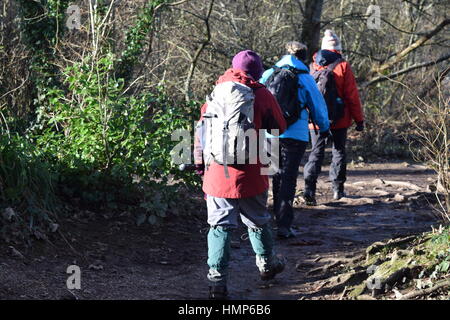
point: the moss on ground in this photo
(424, 259)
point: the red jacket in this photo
(348, 91)
(245, 180)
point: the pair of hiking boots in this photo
(310, 198)
(220, 292)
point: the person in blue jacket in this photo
(294, 140)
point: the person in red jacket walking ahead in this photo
(348, 95)
(242, 192)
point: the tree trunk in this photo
(311, 26)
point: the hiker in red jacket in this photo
(347, 93)
(241, 189)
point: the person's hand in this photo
(360, 126)
(200, 169)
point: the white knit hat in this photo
(331, 41)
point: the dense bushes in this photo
(92, 142)
(90, 138)
(92, 130)
(25, 178)
(27, 184)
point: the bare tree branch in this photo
(406, 70)
(198, 52)
(402, 54)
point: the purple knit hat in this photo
(249, 62)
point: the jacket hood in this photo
(237, 75)
(326, 57)
(292, 61)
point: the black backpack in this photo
(283, 84)
(327, 86)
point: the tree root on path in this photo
(418, 293)
(387, 183)
(339, 282)
(326, 268)
(391, 266)
(335, 263)
(378, 246)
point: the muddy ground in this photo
(119, 260)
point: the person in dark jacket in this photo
(244, 193)
(294, 140)
(347, 91)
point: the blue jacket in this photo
(310, 95)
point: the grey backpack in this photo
(225, 129)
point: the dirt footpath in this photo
(121, 261)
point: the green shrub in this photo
(101, 139)
(26, 181)
(92, 139)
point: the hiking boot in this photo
(285, 233)
(218, 293)
(274, 270)
(338, 195)
(310, 199)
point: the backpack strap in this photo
(225, 149)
